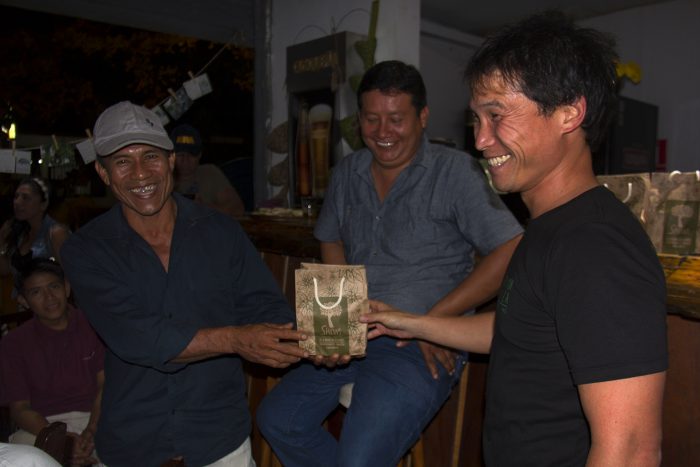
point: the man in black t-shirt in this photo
(578, 337)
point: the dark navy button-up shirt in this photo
(153, 409)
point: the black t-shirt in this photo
(583, 301)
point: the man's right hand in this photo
(274, 345)
(385, 320)
(83, 446)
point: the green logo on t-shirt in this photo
(504, 295)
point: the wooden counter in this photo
(287, 236)
(681, 443)
(286, 242)
(682, 284)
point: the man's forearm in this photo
(207, 343)
(481, 285)
(472, 333)
(96, 405)
(333, 253)
(29, 420)
(271, 344)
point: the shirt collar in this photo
(422, 158)
(46, 332)
(115, 225)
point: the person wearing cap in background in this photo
(180, 296)
(204, 183)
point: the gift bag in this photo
(672, 212)
(631, 189)
(329, 302)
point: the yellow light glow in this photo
(12, 133)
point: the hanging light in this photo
(7, 124)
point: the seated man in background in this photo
(415, 214)
(206, 184)
(52, 365)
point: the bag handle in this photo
(678, 172)
(629, 191)
(340, 295)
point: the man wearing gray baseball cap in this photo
(179, 295)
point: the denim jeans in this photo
(393, 399)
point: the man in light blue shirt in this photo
(415, 214)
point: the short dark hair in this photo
(393, 76)
(35, 266)
(553, 62)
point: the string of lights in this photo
(171, 106)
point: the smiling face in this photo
(140, 176)
(28, 203)
(522, 146)
(46, 295)
(391, 128)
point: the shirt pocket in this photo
(356, 231)
(413, 232)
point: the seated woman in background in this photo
(52, 366)
(31, 233)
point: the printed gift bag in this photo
(672, 212)
(329, 302)
(631, 189)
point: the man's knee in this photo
(267, 417)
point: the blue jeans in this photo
(393, 399)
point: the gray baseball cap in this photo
(125, 123)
